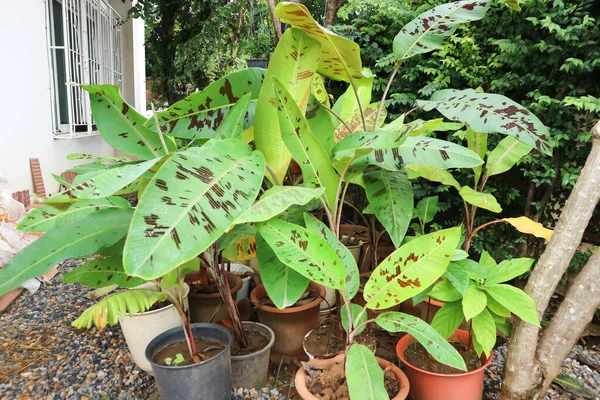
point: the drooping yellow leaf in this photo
(526, 225)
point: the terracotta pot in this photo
(300, 378)
(429, 385)
(290, 324)
(372, 314)
(210, 307)
(434, 307)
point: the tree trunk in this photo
(276, 21)
(523, 371)
(332, 8)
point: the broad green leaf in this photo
(487, 260)
(484, 332)
(434, 174)
(282, 283)
(102, 272)
(319, 121)
(509, 269)
(108, 310)
(516, 300)
(358, 314)
(233, 124)
(101, 159)
(475, 270)
(191, 201)
(121, 126)
(496, 307)
(505, 156)
(490, 113)
(319, 92)
(502, 323)
(417, 127)
(93, 166)
(447, 319)
(477, 142)
(420, 150)
(574, 386)
(171, 278)
(294, 63)
(427, 208)
(304, 147)
(410, 269)
(276, 200)
(239, 243)
(390, 198)
(346, 105)
(473, 302)
(459, 255)
(428, 31)
(305, 252)
(514, 4)
(340, 57)
(355, 122)
(458, 277)
(360, 143)
(61, 181)
(79, 238)
(95, 185)
(200, 114)
(422, 296)
(352, 281)
(434, 343)
(526, 225)
(479, 199)
(445, 291)
(364, 375)
(45, 218)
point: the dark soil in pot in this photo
(329, 382)
(206, 304)
(206, 348)
(327, 341)
(256, 342)
(416, 355)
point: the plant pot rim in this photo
(401, 347)
(300, 377)
(194, 326)
(231, 277)
(320, 289)
(186, 293)
(434, 302)
(261, 351)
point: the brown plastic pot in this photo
(300, 378)
(427, 385)
(209, 307)
(290, 324)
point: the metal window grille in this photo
(84, 38)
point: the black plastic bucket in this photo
(210, 379)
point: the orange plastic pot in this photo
(425, 385)
(290, 324)
(300, 378)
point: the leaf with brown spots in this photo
(320, 123)
(411, 269)
(305, 252)
(121, 126)
(102, 272)
(111, 308)
(355, 122)
(200, 114)
(490, 113)
(294, 63)
(191, 201)
(428, 31)
(346, 105)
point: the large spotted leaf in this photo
(314, 161)
(489, 113)
(390, 198)
(276, 200)
(411, 269)
(294, 63)
(434, 343)
(428, 31)
(45, 218)
(102, 272)
(305, 252)
(108, 310)
(121, 126)
(191, 201)
(103, 183)
(421, 150)
(283, 285)
(200, 114)
(340, 57)
(355, 124)
(79, 238)
(352, 281)
(347, 104)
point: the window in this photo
(84, 38)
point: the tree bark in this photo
(276, 21)
(331, 11)
(574, 314)
(522, 373)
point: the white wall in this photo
(25, 111)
